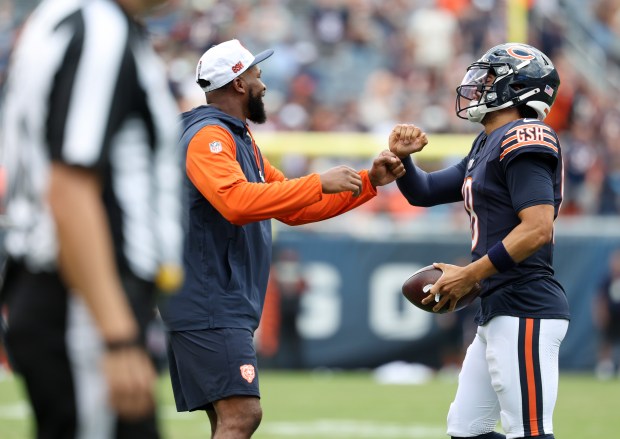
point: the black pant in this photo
(37, 346)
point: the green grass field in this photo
(353, 405)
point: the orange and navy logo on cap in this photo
(247, 372)
(520, 52)
(237, 67)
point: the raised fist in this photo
(407, 139)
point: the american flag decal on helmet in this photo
(549, 90)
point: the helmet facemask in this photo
(481, 90)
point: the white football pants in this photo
(510, 372)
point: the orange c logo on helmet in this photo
(520, 52)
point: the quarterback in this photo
(511, 187)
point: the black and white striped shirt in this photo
(85, 88)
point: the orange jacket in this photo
(231, 194)
(217, 175)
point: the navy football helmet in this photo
(508, 75)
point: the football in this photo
(419, 284)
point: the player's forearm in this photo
(414, 185)
(86, 253)
(332, 205)
(430, 189)
(519, 244)
(534, 231)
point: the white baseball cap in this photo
(224, 62)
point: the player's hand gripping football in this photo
(455, 283)
(386, 168)
(406, 139)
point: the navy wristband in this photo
(500, 258)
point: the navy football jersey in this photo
(493, 202)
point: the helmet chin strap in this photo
(476, 112)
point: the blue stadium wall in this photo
(353, 314)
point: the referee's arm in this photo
(86, 250)
(86, 262)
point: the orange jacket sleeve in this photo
(332, 205)
(218, 176)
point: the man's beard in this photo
(256, 109)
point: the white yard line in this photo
(319, 428)
(329, 428)
(335, 428)
(16, 411)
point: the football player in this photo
(511, 186)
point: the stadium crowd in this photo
(364, 65)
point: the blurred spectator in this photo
(267, 335)
(359, 65)
(610, 191)
(280, 343)
(606, 29)
(607, 319)
(433, 31)
(582, 158)
(378, 111)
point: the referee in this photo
(89, 130)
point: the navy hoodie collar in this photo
(200, 114)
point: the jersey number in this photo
(468, 200)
